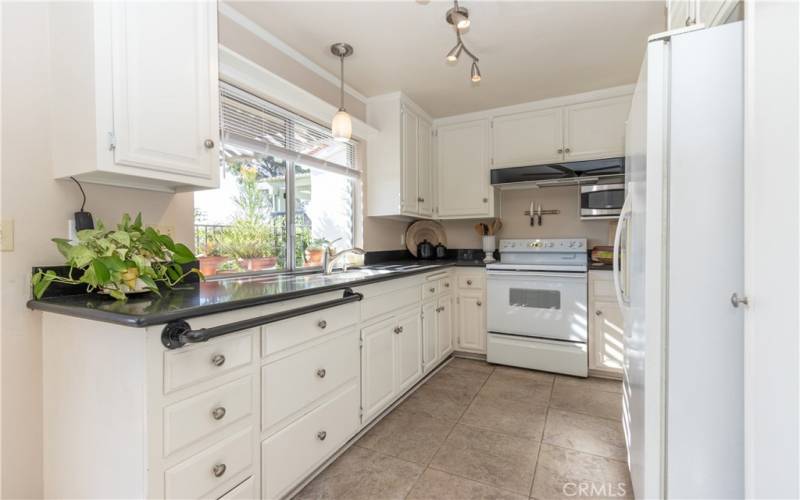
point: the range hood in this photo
(560, 174)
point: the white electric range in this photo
(537, 305)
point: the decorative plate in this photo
(422, 230)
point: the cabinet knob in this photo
(486, 200)
(447, 285)
(567, 150)
(321, 373)
(208, 143)
(398, 329)
(432, 290)
(321, 435)
(322, 324)
(218, 360)
(479, 303)
(219, 470)
(598, 312)
(469, 282)
(420, 199)
(218, 413)
(559, 151)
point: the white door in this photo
(445, 325)
(165, 85)
(408, 336)
(430, 335)
(595, 130)
(425, 170)
(528, 138)
(463, 169)
(410, 158)
(471, 322)
(606, 350)
(377, 367)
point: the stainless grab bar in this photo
(178, 333)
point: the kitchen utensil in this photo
(539, 213)
(479, 229)
(424, 230)
(441, 251)
(531, 213)
(426, 250)
(497, 224)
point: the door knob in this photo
(208, 143)
(218, 360)
(322, 324)
(321, 435)
(218, 413)
(219, 470)
(598, 313)
(479, 303)
(736, 300)
(321, 373)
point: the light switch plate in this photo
(7, 235)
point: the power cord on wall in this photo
(83, 219)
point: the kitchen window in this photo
(287, 188)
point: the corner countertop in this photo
(228, 294)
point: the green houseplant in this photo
(119, 261)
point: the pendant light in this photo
(341, 125)
(458, 17)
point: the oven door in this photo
(548, 305)
(602, 200)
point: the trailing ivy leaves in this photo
(129, 258)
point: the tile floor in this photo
(477, 430)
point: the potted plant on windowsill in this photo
(130, 259)
(249, 243)
(315, 251)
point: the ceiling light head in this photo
(475, 73)
(458, 17)
(452, 56)
(341, 125)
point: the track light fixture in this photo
(458, 17)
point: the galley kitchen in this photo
(419, 249)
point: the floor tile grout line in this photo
(538, 454)
(493, 486)
(570, 410)
(622, 461)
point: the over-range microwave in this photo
(602, 201)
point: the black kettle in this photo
(441, 251)
(425, 250)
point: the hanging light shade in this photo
(452, 56)
(475, 73)
(341, 125)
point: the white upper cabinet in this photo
(595, 130)
(529, 138)
(399, 165)
(463, 171)
(682, 13)
(136, 93)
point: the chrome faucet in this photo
(330, 256)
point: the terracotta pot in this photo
(314, 256)
(209, 265)
(259, 263)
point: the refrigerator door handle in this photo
(624, 217)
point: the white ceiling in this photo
(527, 50)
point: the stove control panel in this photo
(575, 245)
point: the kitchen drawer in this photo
(374, 306)
(246, 490)
(471, 282)
(429, 290)
(199, 416)
(290, 455)
(198, 362)
(602, 286)
(294, 382)
(212, 470)
(276, 337)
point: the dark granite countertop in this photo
(215, 296)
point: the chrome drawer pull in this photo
(321, 435)
(321, 373)
(218, 360)
(322, 324)
(219, 470)
(218, 413)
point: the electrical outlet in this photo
(7, 235)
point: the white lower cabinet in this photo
(606, 326)
(409, 350)
(378, 373)
(471, 312)
(246, 490)
(430, 334)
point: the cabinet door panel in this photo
(471, 322)
(377, 367)
(425, 169)
(595, 130)
(409, 350)
(527, 138)
(430, 339)
(445, 325)
(463, 169)
(606, 339)
(410, 157)
(165, 85)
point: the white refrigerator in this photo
(680, 246)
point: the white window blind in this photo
(254, 124)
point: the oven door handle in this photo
(522, 274)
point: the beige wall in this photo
(40, 207)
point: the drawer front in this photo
(372, 307)
(471, 282)
(244, 491)
(212, 469)
(276, 337)
(294, 382)
(312, 439)
(429, 290)
(602, 288)
(196, 363)
(199, 416)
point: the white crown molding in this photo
(246, 23)
(239, 70)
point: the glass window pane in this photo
(323, 213)
(241, 227)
